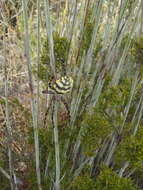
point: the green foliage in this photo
(123, 43)
(95, 128)
(83, 183)
(4, 182)
(106, 116)
(97, 124)
(87, 35)
(137, 176)
(46, 146)
(107, 180)
(61, 46)
(137, 49)
(32, 177)
(112, 97)
(45, 139)
(137, 52)
(115, 97)
(132, 150)
(130, 4)
(113, 100)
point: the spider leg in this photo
(66, 105)
(47, 111)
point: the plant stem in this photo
(33, 104)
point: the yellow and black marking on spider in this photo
(59, 87)
(62, 85)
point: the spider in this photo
(58, 88)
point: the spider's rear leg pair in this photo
(57, 98)
(58, 88)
